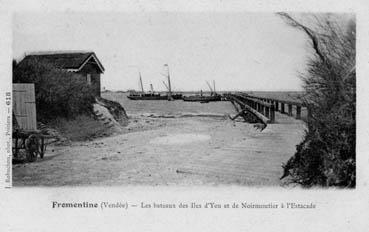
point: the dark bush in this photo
(327, 155)
(58, 93)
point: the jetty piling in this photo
(265, 108)
(298, 112)
(289, 109)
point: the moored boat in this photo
(147, 96)
(202, 98)
(152, 95)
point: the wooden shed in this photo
(84, 63)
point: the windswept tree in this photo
(326, 157)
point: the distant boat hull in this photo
(202, 99)
(154, 97)
(147, 97)
(177, 96)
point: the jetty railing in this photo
(264, 108)
(280, 105)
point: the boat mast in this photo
(169, 86)
(211, 90)
(166, 86)
(142, 88)
(214, 86)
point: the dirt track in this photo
(184, 151)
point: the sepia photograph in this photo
(254, 99)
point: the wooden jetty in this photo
(263, 108)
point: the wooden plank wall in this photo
(24, 106)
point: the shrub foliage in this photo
(326, 157)
(58, 93)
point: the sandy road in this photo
(185, 151)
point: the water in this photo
(162, 107)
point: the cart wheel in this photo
(31, 156)
(32, 148)
(42, 147)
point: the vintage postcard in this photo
(223, 112)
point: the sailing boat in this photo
(143, 95)
(155, 96)
(171, 96)
(204, 98)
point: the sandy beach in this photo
(197, 150)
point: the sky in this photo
(240, 51)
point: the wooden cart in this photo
(26, 137)
(32, 142)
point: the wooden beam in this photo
(237, 115)
(258, 115)
(235, 106)
(257, 100)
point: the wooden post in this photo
(272, 114)
(282, 107)
(289, 109)
(267, 109)
(298, 112)
(276, 105)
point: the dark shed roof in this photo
(73, 61)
